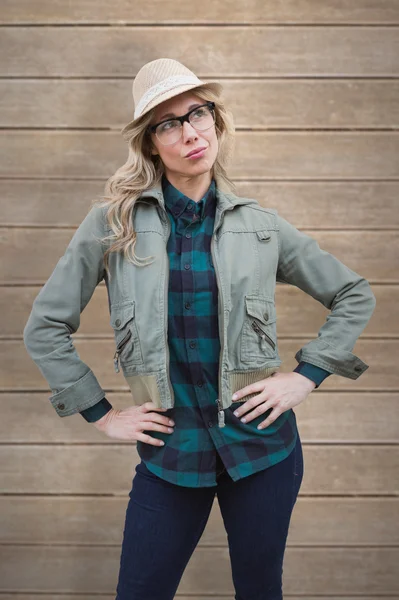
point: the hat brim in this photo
(214, 86)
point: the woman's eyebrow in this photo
(173, 114)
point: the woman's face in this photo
(174, 156)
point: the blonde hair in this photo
(143, 170)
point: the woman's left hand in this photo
(280, 391)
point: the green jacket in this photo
(252, 247)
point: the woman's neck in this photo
(194, 188)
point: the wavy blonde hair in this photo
(143, 170)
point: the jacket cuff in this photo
(69, 401)
(95, 412)
(336, 360)
(316, 374)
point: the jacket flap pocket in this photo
(121, 314)
(261, 308)
(263, 235)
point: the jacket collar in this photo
(177, 202)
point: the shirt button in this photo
(61, 406)
(192, 344)
(188, 235)
(190, 206)
(187, 305)
(358, 368)
(266, 316)
(187, 267)
(210, 424)
(117, 322)
(200, 383)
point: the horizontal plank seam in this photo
(35, 284)
(304, 229)
(281, 336)
(240, 180)
(239, 77)
(384, 443)
(121, 389)
(214, 24)
(225, 78)
(158, 25)
(122, 495)
(238, 129)
(200, 545)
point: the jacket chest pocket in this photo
(128, 348)
(259, 337)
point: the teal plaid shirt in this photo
(197, 448)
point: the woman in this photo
(195, 332)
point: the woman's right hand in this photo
(129, 423)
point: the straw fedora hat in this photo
(160, 80)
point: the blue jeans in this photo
(164, 523)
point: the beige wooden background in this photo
(314, 88)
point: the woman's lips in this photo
(197, 154)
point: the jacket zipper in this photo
(119, 349)
(256, 327)
(221, 419)
(166, 290)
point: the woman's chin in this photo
(199, 168)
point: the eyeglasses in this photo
(170, 131)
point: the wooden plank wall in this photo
(314, 89)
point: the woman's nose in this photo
(188, 131)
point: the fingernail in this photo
(234, 396)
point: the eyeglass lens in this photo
(170, 131)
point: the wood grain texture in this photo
(73, 469)
(330, 417)
(308, 571)
(297, 313)
(55, 596)
(255, 103)
(99, 520)
(226, 12)
(258, 155)
(32, 254)
(354, 205)
(120, 51)
(18, 372)
(319, 142)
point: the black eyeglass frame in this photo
(209, 104)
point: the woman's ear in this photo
(153, 148)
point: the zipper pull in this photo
(119, 348)
(262, 334)
(116, 362)
(221, 421)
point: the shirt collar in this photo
(176, 202)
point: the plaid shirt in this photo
(197, 448)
